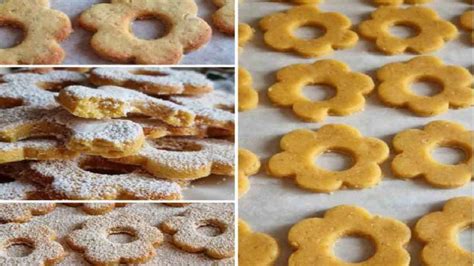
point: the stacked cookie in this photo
(112, 133)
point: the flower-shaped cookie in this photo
(249, 164)
(432, 31)
(350, 89)
(187, 236)
(99, 250)
(301, 146)
(438, 230)
(467, 22)
(414, 147)
(314, 238)
(255, 248)
(279, 29)
(245, 35)
(224, 17)
(114, 40)
(394, 89)
(44, 28)
(399, 2)
(248, 96)
(40, 238)
(23, 212)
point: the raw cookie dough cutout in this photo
(301, 2)
(113, 39)
(396, 78)
(300, 148)
(23, 212)
(256, 248)
(224, 17)
(413, 158)
(245, 35)
(248, 96)
(99, 250)
(467, 22)
(186, 235)
(432, 31)
(399, 2)
(43, 28)
(350, 89)
(41, 240)
(249, 164)
(438, 231)
(279, 29)
(313, 239)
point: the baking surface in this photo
(220, 50)
(64, 220)
(274, 205)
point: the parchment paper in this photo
(274, 205)
(220, 50)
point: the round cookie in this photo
(98, 250)
(432, 33)
(249, 164)
(350, 89)
(113, 39)
(153, 80)
(248, 96)
(44, 29)
(224, 17)
(279, 29)
(94, 178)
(438, 231)
(301, 146)
(314, 238)
(255, 248)
(467, 22)
(396, 78)
(413, 149)
(185, 234)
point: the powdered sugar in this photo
(23, 212)
(37, 144)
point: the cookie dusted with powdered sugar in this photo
(23, 212)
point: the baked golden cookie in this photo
(41, 239)
(249, 164)
(248, 96)
(15, 183)
(413, 149)
(314, 238)
(153, 80)
(94, 178)
(98, 250)
(399, 2)
(279, 29)
(432, 33)
(438, 230)
(34, 149)
(116, 102)
(183, 227)
(224, 17)
(114, 40)
(350, 89)
(100, 208)
(396, 78)
(245, 35)
(301, 146)
(467, 22)
(256, 249)
(44, 29)
(23, 212)
(184, 158)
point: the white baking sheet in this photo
(220, 50)
(274, 205)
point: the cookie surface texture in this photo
(396, 79)
(279, 29)
(350, 89)
(438, 230)
(248, 96)
(256, 248)
(43, 28)
(114, 40)
(92, 240)
(467, 22)
(432, 31)
(413, 157)
(300, 148)
(249, 164)
(314, 238)
(399, 2)
(224, 17)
